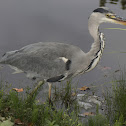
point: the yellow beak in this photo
(117, 19)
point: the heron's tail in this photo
(6, 56)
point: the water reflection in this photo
(102, 3)
(122, 2)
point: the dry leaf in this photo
(89, 114)
(84, 88)
(18, 122)
(18, 90)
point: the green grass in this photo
(97, 120)
(15, 105)
(116, 102)
(65, 98)
(115, 99)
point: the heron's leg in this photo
(50, 85)
(39, 84)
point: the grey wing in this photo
(41, 60)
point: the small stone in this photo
(94, 99)
(85, 105)
(80, 97)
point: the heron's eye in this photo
(107, 15)
(110, 16)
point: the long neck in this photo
(93, 30)
(97, 47)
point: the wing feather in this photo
(39, 60)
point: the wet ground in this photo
(26, 22)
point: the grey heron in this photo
(53, 62)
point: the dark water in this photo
(23, 22)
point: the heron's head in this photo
(103, 14)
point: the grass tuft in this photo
(13, 105)
(116, 102)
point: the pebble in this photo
(85, 105)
